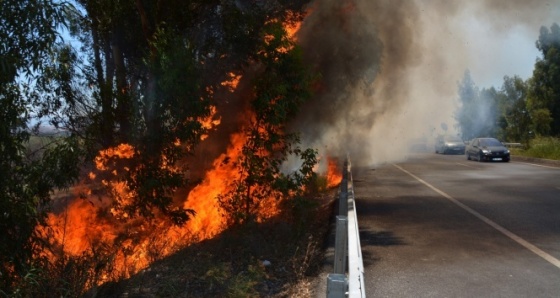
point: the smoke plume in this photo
(389, 69)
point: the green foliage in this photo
(516, 122)
(151, 71)
(145, 91)
(244, 283)
(28, 31)
(168, 115)
(545, 147)
(221, 277)
(541, 147)
(541, 121)
(521, 110)
(143, 76)
(509, 114)
(545, 87)
(280, 89)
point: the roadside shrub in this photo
(545, 147)
(541, 147)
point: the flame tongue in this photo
(334, 176)
(202, 199)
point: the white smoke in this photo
(391, 68)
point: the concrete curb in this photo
(541, 161)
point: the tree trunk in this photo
(124, 109)
(106, 121)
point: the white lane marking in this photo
(466, 165)
(537, 165)
(552, 260)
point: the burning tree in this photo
(136, 102)
(282, 85)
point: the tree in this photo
(142, 80)
(476, 115)
(152, 69)
(544, 93)
(517, 121)
(145, 91)
(468, 97)
(489, 112)
(28, 33)
(281, 87)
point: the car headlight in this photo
(486, 151)
(507, 151)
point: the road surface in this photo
(442, 226)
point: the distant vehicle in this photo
(487, 149)
(449, 145)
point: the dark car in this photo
(449, 144)
(487, 149)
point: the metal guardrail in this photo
(513, 145)
(348, 277)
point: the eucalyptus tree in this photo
(544, 93)
(518, 123)
(28, 36)
(144, 75)
(152, 68)
(478, 112)
(281, 86)
(466, 113)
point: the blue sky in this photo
(499, 45)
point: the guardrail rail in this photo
(347, 280)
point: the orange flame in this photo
(232, 82)
(78, 226)
(292, 27)
(209, 122)
(208, 220)
(86, 225)
(334, 173)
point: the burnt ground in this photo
(279, 258)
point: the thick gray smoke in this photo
(389, 69)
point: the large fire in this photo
(90, 225)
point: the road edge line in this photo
(537, 165)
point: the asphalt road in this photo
(442, 226)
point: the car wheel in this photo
(480, 157)
(468, 156)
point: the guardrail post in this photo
(341, 244)
(336, 285)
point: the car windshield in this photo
(490, 142)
